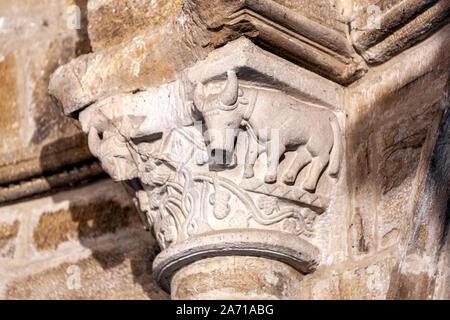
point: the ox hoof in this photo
(248, 174)
(289, 180)
(270, 178)
(309, 187)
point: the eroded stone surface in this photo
(123, 273)
(88, 221)
(8, 91)
(36, 39)
(236, 277)
(94, 230)
(8, 234)
(127, 19)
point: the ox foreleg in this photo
(251, 156)
(274, 151)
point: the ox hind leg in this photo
(318, 164)
(300, 159)
(321, 157)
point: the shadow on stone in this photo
(107, 224)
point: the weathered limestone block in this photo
(146, 61)
(127, 19)
(9, 123)
(392, 130)
(8, 234)
(117, 274)
(236, 277)
(369, 282)
(37, 141)
(83, 243)
(442, 290)
(399, 25)
(422, 273)
(80, 222)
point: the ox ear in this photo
(199, 96)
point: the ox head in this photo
(222, 117)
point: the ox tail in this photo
(336, 152)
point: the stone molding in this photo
(251, 62)
(302, 40)
(291, 250)
(319, 48)
(77, 174)
(401, 26)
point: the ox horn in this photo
(199, 96)
(230, 94)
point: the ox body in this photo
(282, 124)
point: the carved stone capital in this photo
(241, 156)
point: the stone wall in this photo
(38, 143)
(61, 216)
(58, 214)
(92, 231)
